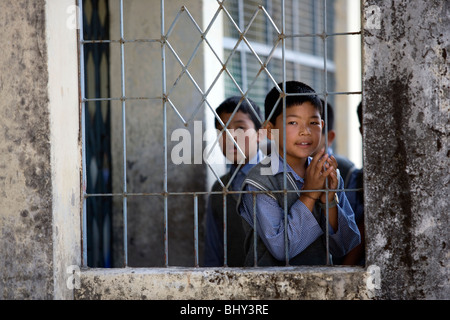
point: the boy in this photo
(244, 127)
(306, 209)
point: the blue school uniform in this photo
(305, 229)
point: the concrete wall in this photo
(406, 179)
(406, 121)
(25, 173)
(39, 148)
(295, 283)
(406, 170)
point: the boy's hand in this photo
(333, 162)
(330, 166)
(315, 174)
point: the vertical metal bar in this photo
(269, 37)
(283, 62)
(81, 75)
(361, 45)
(296, 40)
(268, 30)
(124, 138)
(327, 240)
(243, 56)
(255, 234)
(196, 230)
(164, 105)
(225, 230)
(314, 9)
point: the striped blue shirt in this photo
(302, 228)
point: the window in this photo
(304, 49)
(154, 83)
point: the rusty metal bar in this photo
(164, 106)
(225, 231)
(285, 205)
(255, 233)
(83, 131)
(325, 72)
(124, 141)
(196, 260)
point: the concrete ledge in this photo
(225, 283)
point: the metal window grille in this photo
(276, 23)
(303, 55)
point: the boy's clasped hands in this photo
(322, 166)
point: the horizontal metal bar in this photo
(303, 35)
(343, 92)
(128, 194)
(121, 99)
(322, 35)
(119, 41)
(323, 93)
(99, 41)
(353, 33)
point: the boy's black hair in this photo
(291, 87)
(330, 116)
(229, 104)
(359, 112)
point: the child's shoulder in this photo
(260, 167)
(261, 176)
(217, 186)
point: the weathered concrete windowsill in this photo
(225, 283)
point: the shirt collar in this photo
(277, 165)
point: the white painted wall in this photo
(348, 78)
(61, 35)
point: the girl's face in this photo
(242, 129)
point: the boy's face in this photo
(303, 131)
(243, 131)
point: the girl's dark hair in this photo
(291, 87)
(229, 104)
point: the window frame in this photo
(123, 99)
